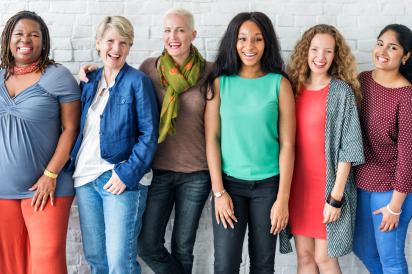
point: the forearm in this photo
(341, 179)
(62, 152)
(397, 201)
(214, 163)
(286, 164)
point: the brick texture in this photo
(72, 26)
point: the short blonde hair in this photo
(185, 13)
(120, 24)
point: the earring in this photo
(403, 62)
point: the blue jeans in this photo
(381, 252)
(252, 201)
(188, 192)
(110, 225)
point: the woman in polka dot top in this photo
(385, 181)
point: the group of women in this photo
(276, 146)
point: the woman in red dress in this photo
(328, 143)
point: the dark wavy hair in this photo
(7, 59)
(404, 37)
(228, 61)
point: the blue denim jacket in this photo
(128, 125)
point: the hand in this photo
(115, 185)
(389, 221)
(330, 213)
(84, 69)
(44, 188)
(279, 216)
(224, 210)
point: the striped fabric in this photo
(343, 143)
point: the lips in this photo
(175, 45)
(319, 64)
(382, 59)
(25, 50)
(249, 55)
(114, 57)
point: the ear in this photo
(98, 45)
(194, 34)
(406, 57)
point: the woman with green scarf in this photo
(181, 177)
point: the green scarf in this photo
(176, 80)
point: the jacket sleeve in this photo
(351, 147)
(133, 169)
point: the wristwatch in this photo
(219, 193)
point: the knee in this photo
(306, 257)
(323, 261)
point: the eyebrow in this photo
(244, 33)
(392, 44)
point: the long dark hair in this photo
(228, 61)
(404, 37)
(7, 59)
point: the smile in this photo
(175, 45)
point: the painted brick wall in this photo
(72, 25)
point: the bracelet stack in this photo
(335, 203)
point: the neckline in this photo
(256, 78)
(379, 85)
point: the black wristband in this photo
(335, 203)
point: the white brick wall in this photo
(72, 25)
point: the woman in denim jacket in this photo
(113, 152)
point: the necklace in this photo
(26, 69)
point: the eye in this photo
(379, 44)
(166, 31)
(18, 33)
(314, 49)
(394, 48)
(242, 39)
(259, 39)
(181, 30)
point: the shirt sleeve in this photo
(403, 179)
(351, 148)
(59, 82)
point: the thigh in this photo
(159, 206)
(92, 223)
(391, 245)
(305, 246)
(47, 230)
(262, 244)
(364, 229)
(122, 216)
(13, 238)
(191, 195)
(228, 242)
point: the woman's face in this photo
(321, 53)
(388, 54)
(177, 37)
(26, 42)
(113, 49)
(250, 44)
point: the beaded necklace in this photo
(26, 69)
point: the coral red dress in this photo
(307, 197)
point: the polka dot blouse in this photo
(386, 121)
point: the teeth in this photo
(382, 59)
(249, 54)
(25, 49)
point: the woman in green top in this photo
(250, 133)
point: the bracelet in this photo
(393, 212)
(219, 193)
(50, 174)
(335, 203)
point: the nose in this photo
(26, 38)
(173, 34)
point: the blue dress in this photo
(30, 128)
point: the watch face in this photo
(217, 195)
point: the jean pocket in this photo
(105, 177)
